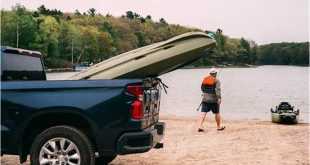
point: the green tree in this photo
(77, 13)
(43, 10)
(9, 29)
(130, 15)
(141, 38)
(69, 41)
(19, 28)
(89, 46)
(163, 21)
(48, 38)
(92, 12)
(105, 46)
(244, 51)
(149, 17)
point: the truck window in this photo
(16, 66)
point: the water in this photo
(247, 93)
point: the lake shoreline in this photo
(210, 116)
(239, 66)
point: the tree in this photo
(92, 12)
(141, 38)
(220, 40)
(43, 10)
(48, 38)
(77, 13)
(105, 43)
(18, 27)
(69, 41)
(149, 17)
(35, 14)
(163, 21)
(130, 15)
(142, 20)
(54, 12)
(244, 52)
(136, 15)
(245, 44)
(9, 29)
(89, 46)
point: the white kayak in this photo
(152, 60)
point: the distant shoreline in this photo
(222, 66)
(239, 66)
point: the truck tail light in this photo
(137, 104)
(135, 90)
(137, 110)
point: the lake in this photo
(247, 93)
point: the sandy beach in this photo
(242, 142)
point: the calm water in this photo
(247, 93)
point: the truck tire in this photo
(104, 160)
(62, 145)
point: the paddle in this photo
(199, 106)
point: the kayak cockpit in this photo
(284, 113)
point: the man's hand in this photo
(219, 101)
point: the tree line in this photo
(70, 38)
(242, 52)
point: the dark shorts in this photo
(207, 107)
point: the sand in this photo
(241, 143)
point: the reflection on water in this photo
(247, 93)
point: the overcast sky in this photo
(263, 21)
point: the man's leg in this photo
(201, 120)
(218, 120)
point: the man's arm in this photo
(218, 91)
(203, 87)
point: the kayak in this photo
(152, 60)
(285, 113)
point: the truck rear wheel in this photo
(103, 160)
(62, 145)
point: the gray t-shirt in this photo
(213, 98)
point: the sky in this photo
(264, 21)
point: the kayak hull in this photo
(159, 68)
(152, 60)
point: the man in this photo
(211, 88)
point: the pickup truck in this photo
(74, 122)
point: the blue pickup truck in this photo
(74, 122)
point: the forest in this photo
(66, 39)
